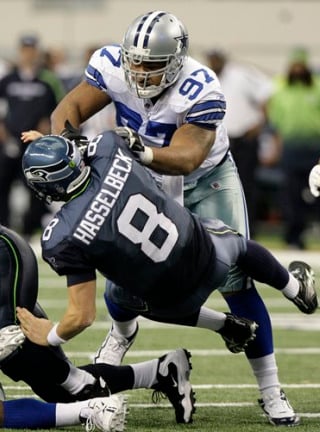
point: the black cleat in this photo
(173, 382)
(98, 389)
(306, 300)
(237, 332)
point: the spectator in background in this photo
(30, 93)
(57, 60)
(295, 111)
(247, 91)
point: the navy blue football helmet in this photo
(53, 168)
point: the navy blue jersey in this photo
(124, 226)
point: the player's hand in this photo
(35, 329)
(135, 144)
(314, 181)
(74, 134)
(30, 135)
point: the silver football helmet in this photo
(157, 37)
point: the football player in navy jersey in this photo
(52, 376)
(164, 261)
(170, 109)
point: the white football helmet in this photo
(159, 37)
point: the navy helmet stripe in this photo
(149, 29)
(135, 42)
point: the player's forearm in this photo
(74, 321)
(172, 161)
(63, 112)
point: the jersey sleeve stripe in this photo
(208, 113)
(94, 78)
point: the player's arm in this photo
(78, 105)
(188, 148)
(80, 314)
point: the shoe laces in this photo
(278, 401)
(157, 396)
(89, 424)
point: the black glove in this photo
(74, 134)
(135, 144)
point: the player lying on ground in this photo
(53, 377)
(117, 221)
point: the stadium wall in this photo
(258, 31)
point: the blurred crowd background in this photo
(266, 54)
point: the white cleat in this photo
(11, 338)
(114, 348)
(107, 414)
(278, 410)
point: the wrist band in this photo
(53, 338)
(146, 156)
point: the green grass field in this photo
(225, 388)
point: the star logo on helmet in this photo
(183, 40)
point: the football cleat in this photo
(106, 414)
(98, 389)
(11, 338)
(278, 410)
(173, 382)
(114, 348)
(237, 332)
(306, 299)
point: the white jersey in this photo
(195, 98)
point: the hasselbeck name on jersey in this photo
(106, 198)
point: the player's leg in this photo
(107, 414)
(121, 335)
(51, 376)
(221, 196)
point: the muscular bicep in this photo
(188, 148)
(78, 105)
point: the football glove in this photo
(135, 143)
(74, 134)
(314, 181)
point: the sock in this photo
(266, 372)
(124, 328)
(248, 303)
(145, 373)
(27, 413)
(210, 319)
(77, 380)
(262, 266)
(117, 378)
(292, 288)
(68, 414)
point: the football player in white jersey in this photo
(170, 109)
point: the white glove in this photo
(135, 144)
(314, 180)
